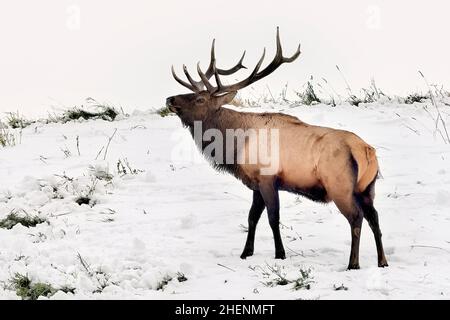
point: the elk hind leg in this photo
(354, 214)
(371, 215)
(343, 196)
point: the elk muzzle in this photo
(171, 104)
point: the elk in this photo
(320, 163)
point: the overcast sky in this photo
(58, 52)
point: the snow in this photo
(176, 215)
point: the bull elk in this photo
(320, 163)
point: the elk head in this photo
(207, 97)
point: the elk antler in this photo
(253, 77)
(197, 86)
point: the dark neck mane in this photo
(220, 119)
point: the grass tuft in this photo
(7, 138)
(415, 97)
(106, 113)
(164, 112)
(303, 281)
(181, 277)
(27, 221)
(164, 282)
(278, 277)
(28, 290)
(83, 200)
(309, 96)
(124, 168)
(94, 110)
(16, 121)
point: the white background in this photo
(57, 53)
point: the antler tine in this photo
(209, 71)
(196, 84)
(205, 79)
(221, 88)
(232, 70)
(256, 75)
(279, 54)
(183, 83)
(294, 56)
(216, 76)
(225, 72)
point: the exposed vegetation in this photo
(85, 195)
(303, 281)
(101, 173)
(28, 290)
(16, 121)
(181, 277)
(164, 282)
(164, 112)
(27, 221)
(308, 96)
(167, 278)
(315, 92)
(124, 167)
(340, 288)
(276, 276)
(7, 137)
(105, 113)
(440, 125)
(92, 110)
(97, 275)
(415, 97)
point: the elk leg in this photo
(270, 195)
(371, 215)
(253, 218)
(354, 214)
(355, 225)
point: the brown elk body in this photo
(320, 163)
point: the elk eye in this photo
(200, 100)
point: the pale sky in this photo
(59, 52)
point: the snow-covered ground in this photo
(176, 215)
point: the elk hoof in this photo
(353, 266)
(246, 253)
(280, 255)
(383, 264)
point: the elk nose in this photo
(170, 101)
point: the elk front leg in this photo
(269, 193)
(253, 218)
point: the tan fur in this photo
(314, 156)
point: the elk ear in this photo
(226, 98)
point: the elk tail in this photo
(367, 165)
